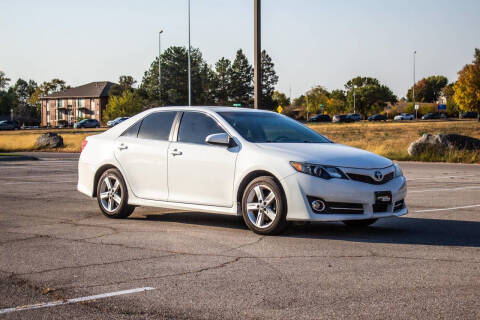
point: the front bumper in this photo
(298, 186)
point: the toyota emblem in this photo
(378, 175)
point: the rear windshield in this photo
(268, 127)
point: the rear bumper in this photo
(298, 186)
(86, 174)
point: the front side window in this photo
(156, 126)
(268, 127)
(195, 127)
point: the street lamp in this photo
(413, 89)
(160, 66)
(189, 67)
(354, 105)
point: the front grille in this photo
(399, 205)
(380, 207)
(344, 207)
(370, 180)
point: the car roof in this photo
(209, 109)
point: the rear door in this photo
(200, 173)
(142, 153)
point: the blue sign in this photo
(442, 107)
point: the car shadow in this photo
(405, 230)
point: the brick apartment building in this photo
(71, 105)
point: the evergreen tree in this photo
(269, 80)
(175, 79)
(241, 80)
(222, 81)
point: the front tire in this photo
(359, 223)
(264, 207)
(112, 195)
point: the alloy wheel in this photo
(261, 206)
(111, 193)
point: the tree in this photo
(241, 84)
(280, 99)
(127, 104)
(269, 80)
(428, 89)
(24, 90)
(317, 99)
(174, 89)
(3, 80)
(299, 101)
(467, 87)
(222, 81)
(124, 83)
(370, 95)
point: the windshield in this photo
(266, 127)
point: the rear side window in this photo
(195, 127)
(156, 126)
(133, 130)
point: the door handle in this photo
(175, 152)
(122, 146)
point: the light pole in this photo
(413, 89)
(189, 67)
(257, 48)
(354, 104)
(160, 66)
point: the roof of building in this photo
(90, 90)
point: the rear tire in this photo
(112, 195)
(264, 207)
(359, 223)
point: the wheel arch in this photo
(249, 178)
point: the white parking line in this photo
(75, 300)
(443, 189)
(444, 177)
(49, 182)
(447, 209)
(42, 176)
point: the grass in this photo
(392, 139)
(389, 139)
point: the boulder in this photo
(49, 140)
(443, 143)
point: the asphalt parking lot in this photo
(55, 245)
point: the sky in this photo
(311, 42)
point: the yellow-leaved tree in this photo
(127, 104)
(467, 87)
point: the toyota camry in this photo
(261, 165)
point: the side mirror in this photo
(219, 139)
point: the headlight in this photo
(324, 172)
(398, 170)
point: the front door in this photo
(200, 173)
(142, 153)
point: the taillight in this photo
(84, 144)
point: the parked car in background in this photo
(9, 125)
(434, 115)
(341, 118)
(87, 123)
(114, 122)
(404, 116)
(469, 115)
(377, 117)
(258, 164)
(354, 116)
(320, 118)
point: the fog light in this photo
(318, 205)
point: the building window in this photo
(48, 106)
(69, 103)
(80, 103)
(60, 103)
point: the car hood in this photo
(330, 154)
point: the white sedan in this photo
(404, 116)
(261, 165)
